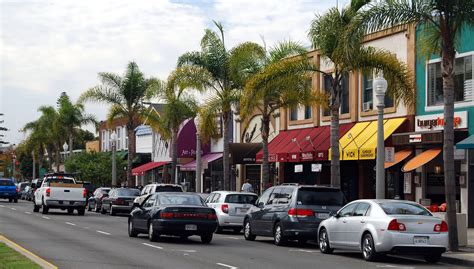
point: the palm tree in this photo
(329, 34)
(223, 73)
(125, 94)
(72, 117)
(278, 82)
(442, 22)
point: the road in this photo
(101, 241)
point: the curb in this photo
(28, 254)
(456, 261)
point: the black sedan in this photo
(177, 214)
(120, 200)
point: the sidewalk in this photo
(465, 256)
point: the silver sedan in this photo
(376, 227)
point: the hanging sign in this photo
(298, 168)
(407, 183)
(389, 154)
(316, 167)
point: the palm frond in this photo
(286, 49)
(116, 111)
(245, 59)
(101, 94)
(191, 58)
(210, 113)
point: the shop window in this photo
(463, 84)
(308, 114)
(327, 84)
(368, 94)
(294, 113)
(344, 107)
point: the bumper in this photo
(404, 243)
(294, 229)
(178, 227)
(122, 208)
(65, 204)
(230, 221)
(8, 195)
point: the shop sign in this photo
(316, 167)
(321, 155)
(436, 122)
(459, 154)
(389, 154)
(298, 168)
(294, 156)
(350, 154)
(414, 138)
(407, 183)
(307, 156)
(272, 158)
(367, 154)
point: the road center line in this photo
(226, 265)
(185, 250)
(153, 246)
(235, 238)
(2, 206)
(101, 232)
(70, 223)
(302, 250)
(44, 217)
(26, 212)
(12, 208)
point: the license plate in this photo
(323, 215)
(242, 210)
(420, 240)
(190, 227)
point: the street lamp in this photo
(197, 122)
(380, 87)
(113, 139)
(65, 148)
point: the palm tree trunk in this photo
(174, 155)
(225, 154)
(265, 163)
(131, 154)
(40, 159)
(58, 157)
(335, 156)
(50, 157)
(448, 55)
(71, 141)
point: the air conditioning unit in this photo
(367, 106)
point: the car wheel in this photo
(131, 230)
(96, 207)
(35, 207)
(278, 237)
(206, 238)
(368, 248)
(219, 228)
(89, 207)
(152, 235)
(15, 200)
(9, 200)
(102, 210)
(324, 246)
(81, 211)
(248, 231)
(70, 211)
(432, 258)
(112, 212)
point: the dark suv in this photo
(291, 212)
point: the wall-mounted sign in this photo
(415, 138)
(459, 154)
(298, 168)
(407, 183)
(316, 167)
(389, 154)
(307, 156)
(435, 122)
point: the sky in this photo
(47, 47)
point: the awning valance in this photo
(191, 166)
(467, 143)
(140, 170)
(243, 153)
(399, 156)
(421, 159)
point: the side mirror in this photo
(136, 205)
(334, 214)
(260, 205)
(33, 185)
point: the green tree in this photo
(442, 23)
(279, 82)
(126, 95)
(329, 34)
(221, 71)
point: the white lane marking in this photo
(2, 206)
(235, 238)
(117, 217)
(70, 223)
(12, 208)
(153, 246)
(390, 266)
(29, 213)
(45, 217)
(101, 232)
(185, 250)
(302, 250)
(226, 265)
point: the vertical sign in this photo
(407, 183)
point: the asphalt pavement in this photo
(101, 241)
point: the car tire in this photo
(15, 200)
(131, 230)
(89, 207)
(9, 200)
(206, 238)
(278, 237)
(248, 231)
(218, 229)
(102, 210)
(70, 211)
(368, 248)
(45, 210)
(152, 235)
(112, 212)
(432, 258)
(96, 207)
(35, 207)
(323, 242)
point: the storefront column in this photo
(420, 191)
(470, 187)
(463, 189)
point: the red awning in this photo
(140, 170)
(280, 138)
(191, 166)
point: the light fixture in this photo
(437, 169)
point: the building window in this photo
(125, 134)
(367, 95)
(119, 138)
(327, 84)
(345, 94)
(104, 141)
(463, 84)
(307, 112)
(294, 113)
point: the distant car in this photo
(385, 226)
(95, 201)
(203, 195)
(28, 193)
(291, 212)
(88, 186)
(22, 186)
(8, 190)
(231, 208)
(120, 200)
(156, 187)
(172, 213)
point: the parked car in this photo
(88, 186)
(376, 227)
(95, 201)
(22, 186)
(28, 193)
(119, 200)
(173, 213)
(156, 187)
(60, 190)
(231, 208)
(291, 212)
(8, 190)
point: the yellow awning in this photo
(368, 149)
(359, 136)
(421, 159)
(352, 134)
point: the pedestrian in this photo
(247, 187)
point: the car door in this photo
(141, 215)
(338, 227)
(355, 224)
(270, 212)
(107, 201)
(258, 211)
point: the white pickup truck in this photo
(60, 191)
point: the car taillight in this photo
(225, 208)
(212, 216)
(441, 228)
(300, 212)
(84, 193)
(119, 201)
(394, 225)
(17, 190)
(166, 215)
(48, 192)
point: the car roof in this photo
(176, 193)
(163, 184)
(232, 192)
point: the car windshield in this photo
(320, 196)
(104, 191)
(401, 208)
(168, 189)
(241, 199)
(60, 180)
(6, 183)
(128, 192)
(169, 199)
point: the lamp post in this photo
(113, 139)
(380, 87)
(65, 148)
(198, 155)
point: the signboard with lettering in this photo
(367, 153)
(414, 138)
(307, 156)
(389, 154)
(298, 168)
(407, 183)
(316, 167)
(435, 122)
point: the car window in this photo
(59, 180)
(284, 197)
(127, 192)
(241, 199)
(216, 198)
(347, 210)
(361, 209)
(170, 199)
(149, 202)
(264, 198)
(209, 198)
(319, 196)
(403, 208)
(6, 183)
(168, 189)
(274, 196)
